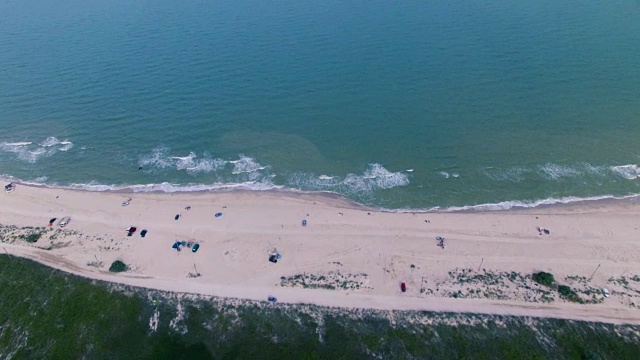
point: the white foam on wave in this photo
(331, 185)
(549, 171)
(161, 159)
(514, 204)
(444, 174)
(158, 158)
(50, 141)
(629, 172)
(171, 188)
(555, 171)
(246, 165)
(374, 178)
(66, 145)
(192, 164)
(383, 178)
(24, 143)
(29, 152)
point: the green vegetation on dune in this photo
(544, 278)
(118, 266)
(47, 314)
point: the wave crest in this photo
(630, 172)
(30, 152)
(374, 178)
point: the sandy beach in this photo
(345, 256)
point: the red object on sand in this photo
(403, 287)
(131, 229)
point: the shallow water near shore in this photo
(400, 106)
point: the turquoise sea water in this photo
(412, 104)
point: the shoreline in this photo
(517, 205)
(345, 257)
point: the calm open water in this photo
(410, 104)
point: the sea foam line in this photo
(526, 204)
(164, 187)
(266, 186)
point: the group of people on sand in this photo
(543, 231)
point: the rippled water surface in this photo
(416, 104)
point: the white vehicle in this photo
(65, 220)
(605, 292)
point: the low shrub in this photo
(568, 293)
(33, 237)
(543, 278)
(118, 266)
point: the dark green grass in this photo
(47, 314)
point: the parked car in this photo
(605, 293)
(272, 299)
(195, 248)
(64, 221)
(403, 287)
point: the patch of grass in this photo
(118, 266)
(112, 322)
(544, 278)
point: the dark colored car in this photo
(195, 248)
(403, 287)
(143, 233)
(272, 299)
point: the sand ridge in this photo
(346, 256)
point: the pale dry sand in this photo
(370, 253)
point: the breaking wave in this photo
(374, 178)
(245, 170)
(31, 152)
(557, 172)
(630, 172)
(161, 158)
(246, 165)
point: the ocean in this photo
(399, 105)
